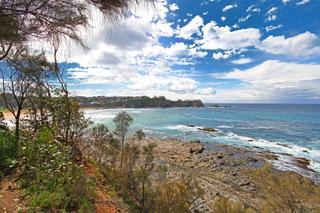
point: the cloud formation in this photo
(305, 44)
(172, 49)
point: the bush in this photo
(224, 205)
(287, 192)
(174, 196)
(130, 170)
(8, 152)
(51, 178)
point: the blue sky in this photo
(263, 51)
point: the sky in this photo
(219, 51)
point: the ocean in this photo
(289, 130)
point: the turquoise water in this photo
(255, 125)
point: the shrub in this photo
(287, 192)
(8, 152)
(174, 196)
(224, 205)
(50, 177)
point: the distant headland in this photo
(135, 102)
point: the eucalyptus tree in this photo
(123, 121)
(17, 80)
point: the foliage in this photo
(50, 177)
(143, 185)
(67, 120)
(103, 143)
(139, 135)
(174, 196)
(135, 102)
(287, 192)
(8, 152)
(224, 205)
(123, 120)
(52, 20)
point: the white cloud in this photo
(271, 14)
(274, 72)
(215, 37)
(229, 7)
(243, 19)
(253, 8)
(172, 83)
(173, 7)
(272, 27)
(302, 2)
(305, 44)
(285, 1)
(220, 55)
(205, 91)
(272, 17)
(191, 28)
(223, 18)
(242, 61)
(100, 75)
(275, 81)
(272, 10)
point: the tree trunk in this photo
(17, 128)
(122, 149)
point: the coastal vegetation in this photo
(135, 102)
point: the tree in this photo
(100, 138)
(17, 80)
(123, 120)
(145, 170)
(140, 135)
(23, 20)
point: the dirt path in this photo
(10, 197)
(103, 202)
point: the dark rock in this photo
(284, 145)
(252, 159)
(303, 163)
(196, 148)
(220, 156)
(208, 129)
(196, 141)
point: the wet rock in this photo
(303, 163)
(284, 145)
(208, 129)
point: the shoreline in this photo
(222, 170)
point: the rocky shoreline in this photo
(221, 170)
